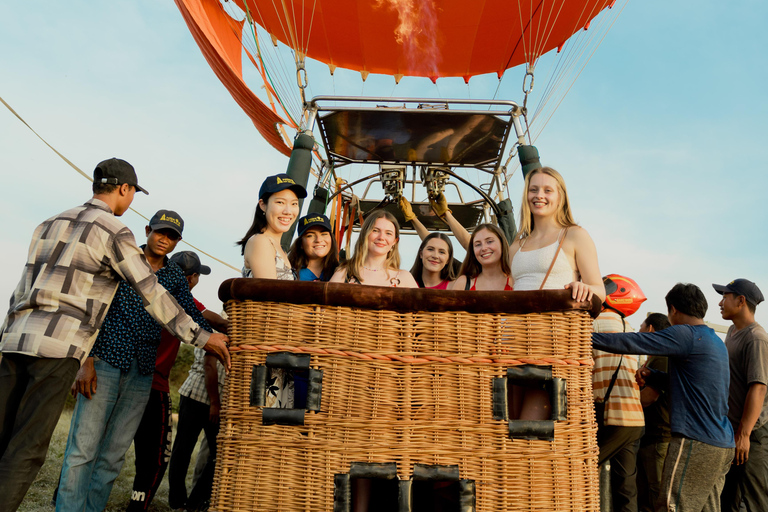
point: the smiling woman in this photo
(277, 210)
(376, 260)
(315, 253)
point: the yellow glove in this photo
(406, 208)
(439, 204)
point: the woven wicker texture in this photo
(406, 388)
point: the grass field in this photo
(40, 493)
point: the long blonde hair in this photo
(361, 246)
(563, 216)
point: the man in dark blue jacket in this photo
(702, 445)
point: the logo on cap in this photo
(280, 181)
(170, 219)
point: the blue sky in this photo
(660, 139)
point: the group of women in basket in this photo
(549, 252)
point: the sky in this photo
(660, 140)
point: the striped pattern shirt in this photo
(75, 262)
(623, 407)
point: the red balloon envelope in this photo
(432, 38)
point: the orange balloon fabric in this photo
(432, 38)
(217, 36)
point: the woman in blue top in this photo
(315, 252)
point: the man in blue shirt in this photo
(115, 381)
(702, 445)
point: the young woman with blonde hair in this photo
(376, 259)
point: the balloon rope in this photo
(80, 171)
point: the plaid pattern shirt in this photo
(75, 262)
(623, 408)
(194, 386)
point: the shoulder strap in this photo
(613, 381)
(554, 259)
(466, 285)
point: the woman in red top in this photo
(486, 266)
(434, 267)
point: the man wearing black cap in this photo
(121, 363)
(747, 344)
(75, 262)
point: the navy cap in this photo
(744, 287)
(190, 263)
(116, 172)
(280, 182)
(167, 219)
(311, 220)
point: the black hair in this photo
(447, 272)
(298, 258)
(658, 321)
(103, 188)
(751, 307)
(688, 299)
(258, 225)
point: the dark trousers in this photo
(152, 444)
(32, 395)
(193, 418)
(650, 467)
(619, 445)
(749, 481)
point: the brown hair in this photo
(471, 267)
(353, 265)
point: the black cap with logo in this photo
(744, 287)
(280, 182)
(116, 172)
(167, 219)
(311, 220)
(190, 263)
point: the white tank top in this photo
(530, 267)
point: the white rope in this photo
(86, 176)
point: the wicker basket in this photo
(413, 395)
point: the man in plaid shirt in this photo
(75, 263)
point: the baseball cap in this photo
(311, 220)
(190, 263)
(167, 219)
(744, 287)
(116, 172)
(280, 182)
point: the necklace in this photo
(372, 269)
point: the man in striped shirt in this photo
(75, 263)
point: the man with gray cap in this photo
(75, 263)
(747, 344)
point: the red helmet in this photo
(623, 294)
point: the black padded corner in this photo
(404, 496)
(529, 372)
(258, 391)
(558, 397)
(500, 406)
(288, 361)
(342, 493)
(315, 390)
(383, 470)
(276, 416)
(435, 472)
(467, 495)
(541, 430)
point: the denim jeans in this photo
(101, 431)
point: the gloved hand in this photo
(439, 204)
(406, 208)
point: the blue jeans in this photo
(101, 431)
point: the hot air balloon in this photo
(410, 401)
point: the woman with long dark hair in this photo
(315, 252)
